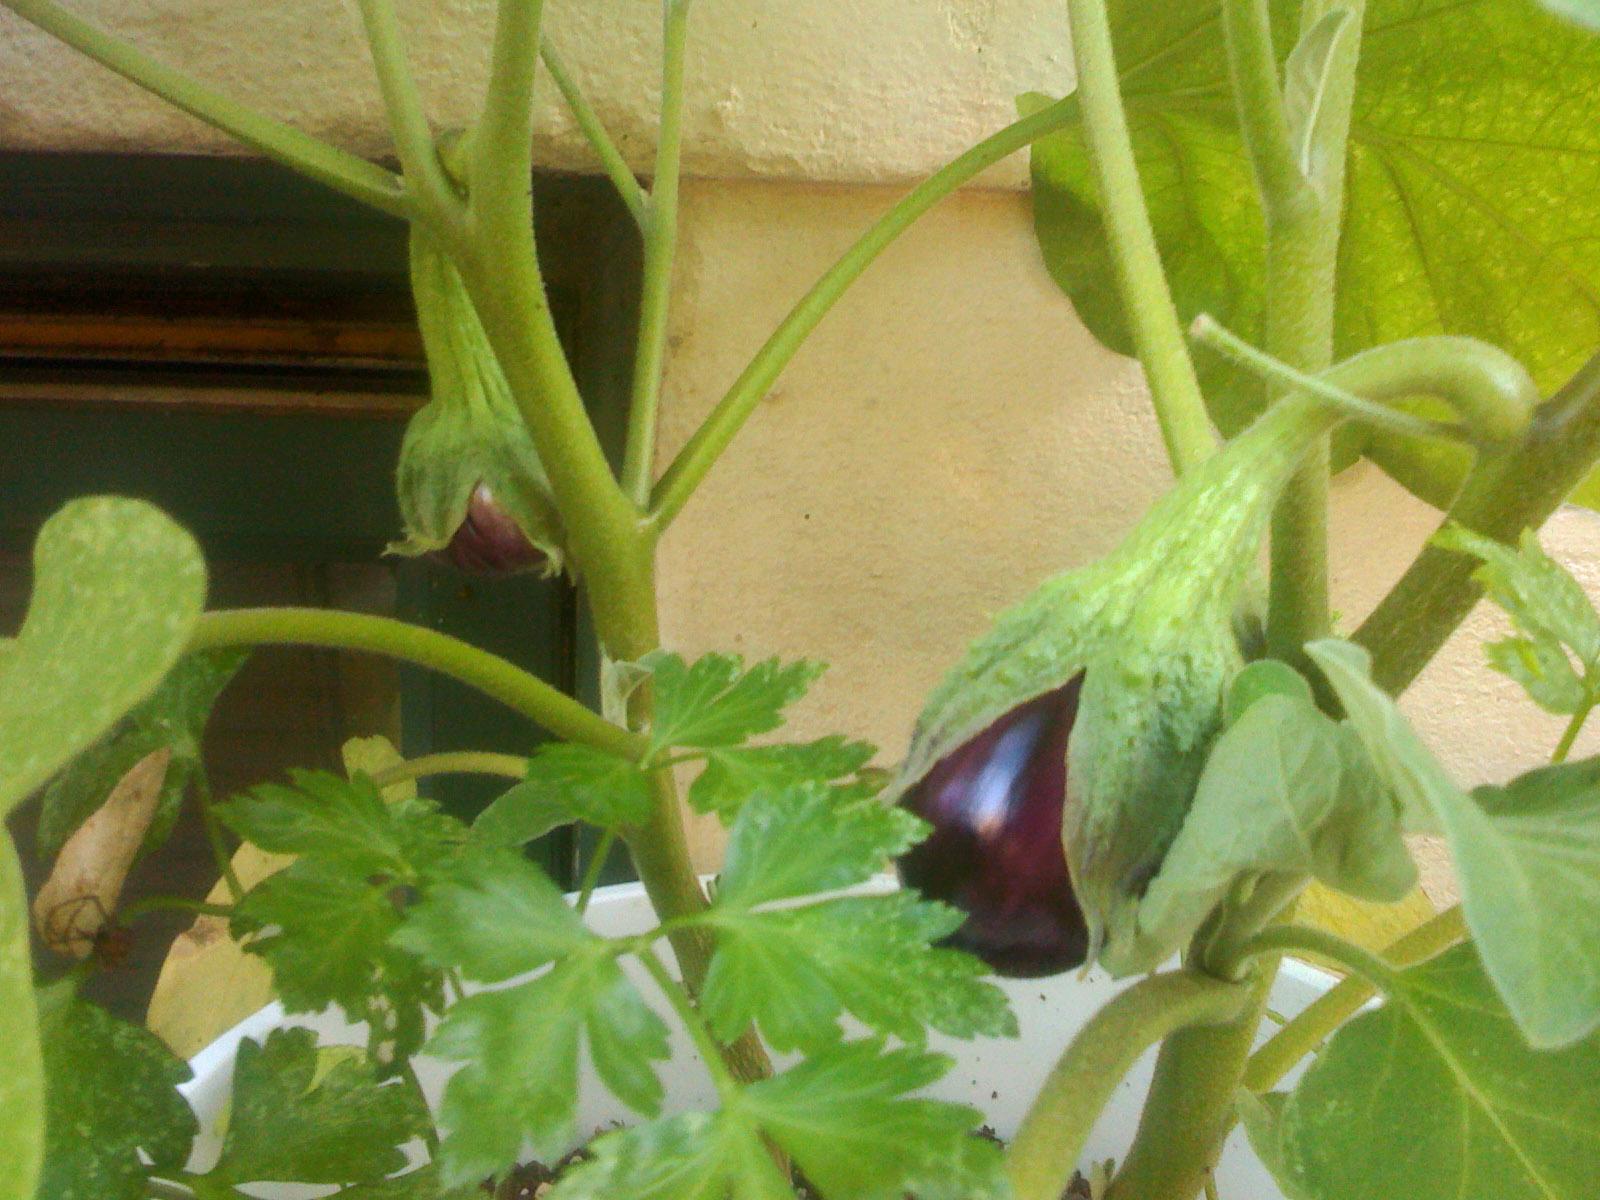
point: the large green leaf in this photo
(1436, 1096)
(111, 1102)
(21, 1068)
(117, 587)
(1528, 858)
(1473, 163)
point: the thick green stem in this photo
(1146, 298)
(424, 174)
(488, 673)
(1504, 495)
(599, 138)
(703, 449)
(21, 1067)
(1046, 1150)
(1190, 1105)
(454, 762)
(344, 172)
(660, 252)
(1307, 1031)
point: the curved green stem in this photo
(488, 673)
(1146, 297)
(1253, 64)
(1491, 390)
(344, 172)
(598, 137)
(1046, 1150)
(1279, 940)
(150, 904)
(1307, 1031)
(1504, 494)
(413, 138)
(454, 762)
(22, 1083)
(660, 252)
(703, 449)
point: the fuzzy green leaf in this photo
(1261, 1117)
(314, 1115)
(1435, 1096)
(845, 1118)
(715, 701)
(1451, 100)
(494, 916)
(1320, 56)
(1270, 800)
(1551, 610)
(567, 783)
(111, 1095)
(804, 840)
(22, 1084)
(1584, 12)
(117, 589)
(793, 971)
(1527, 856)
(173, 718)
(733, 774)
(519, 1053)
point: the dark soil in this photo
(533, 1180)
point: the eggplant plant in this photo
(1311, 221)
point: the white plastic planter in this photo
(997, 1076)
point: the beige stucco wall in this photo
(839, 90)
(949, 437)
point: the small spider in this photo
(82, 928)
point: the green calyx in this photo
(470, 434)
(1151, 627)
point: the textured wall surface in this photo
(840, 90)
(950, 436)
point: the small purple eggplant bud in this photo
(490, 542)
(995, 804)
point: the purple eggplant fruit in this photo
(490, 542)
(995, 804)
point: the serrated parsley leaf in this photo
(567, 783)
(110, 1095)
(314, 1115)
(716, 702)
(793, 971)
(518, 1047)
(345, 821)
(733, 774)
(494, 916)
(806, 839)
(324, 923)
(694, 1156)
(847, 1121)
(1555, 621)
